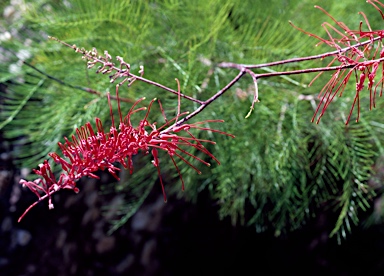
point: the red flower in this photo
(90, 150)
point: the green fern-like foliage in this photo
(277, 173)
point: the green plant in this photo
(293, 167)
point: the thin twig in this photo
(82, 88)
(292, 60)
(312, 70)
(124, 72)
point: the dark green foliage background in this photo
(277, 173)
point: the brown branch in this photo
(123, 72)
(206, 103)
(319, 69)
(292, 60)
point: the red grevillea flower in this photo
(91, 150)
(364, 61)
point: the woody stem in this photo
(280, 62)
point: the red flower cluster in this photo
(362, 60)
(90, 151)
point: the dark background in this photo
(173, 238)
